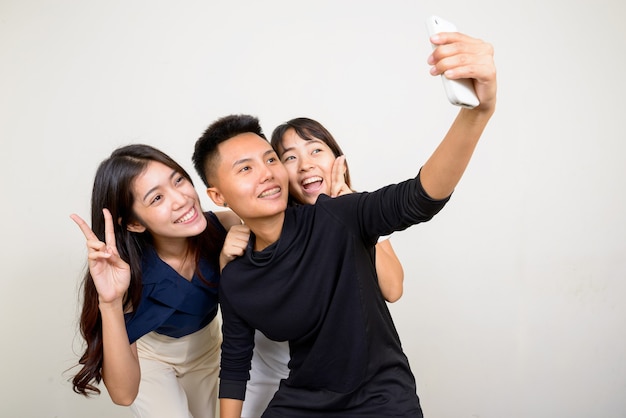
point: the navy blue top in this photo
(170, 304)
(317, 288)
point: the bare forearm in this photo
(120, 365)
(230, 408)
(390, 272)
(458, 56)
(445, 167)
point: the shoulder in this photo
(346, 203)
(227, 218)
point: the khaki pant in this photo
(269, 366)
(179, 376)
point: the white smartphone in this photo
(460, 92)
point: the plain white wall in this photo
(514, 294)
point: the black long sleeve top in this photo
(317, 288)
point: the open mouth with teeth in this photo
(187, 216)
(312, 183)
(270, 192)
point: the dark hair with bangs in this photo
(307, 129)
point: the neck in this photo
(171, 247)
(266, 230)
(176, 253)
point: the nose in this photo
(266, 174)
(179, 199)
(306, 163)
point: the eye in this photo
(316, 151)
(244, 168)
(156, 199)
(288, 158)
(179, 180)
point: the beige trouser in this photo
(179, 376)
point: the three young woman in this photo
(150, 295)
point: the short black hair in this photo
(205, 151)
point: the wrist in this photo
(224, 259)
(110, 306)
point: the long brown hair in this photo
(112, 189)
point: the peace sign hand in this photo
(110, 274)
(338, 186)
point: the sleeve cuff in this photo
(233, 389)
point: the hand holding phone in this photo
(460, 92)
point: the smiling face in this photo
(166, 204)
(249, 178)
(309, 164)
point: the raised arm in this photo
(460, 56)
(111, 277)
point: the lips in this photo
(270, 192)
(187, 216)
(312, 183)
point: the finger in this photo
(443, 38)
(96, 245)
(460, 59)
(240, 231)
(338, 175)
(339, 168)
(235, 251)
(98, 255)
(87, 232)
(239, 243)
(241, 228)
(476, 67)
(448, 44)
(109, 232)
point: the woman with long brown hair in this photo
(150, 294)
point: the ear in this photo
(136, 227)
(216, 196)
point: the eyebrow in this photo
(312, 140)
(245, 160)
(174, 172)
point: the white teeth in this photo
(270, 192)
(311, 180)
(187, 216)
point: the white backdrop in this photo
(514, 294)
